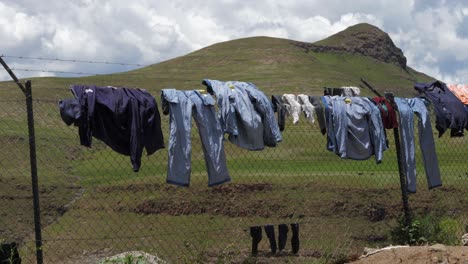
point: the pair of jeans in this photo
(181, 106)
(407, 107)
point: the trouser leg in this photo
(211, 136)
(270, 233)
(426, 143)
(406, 121)
(295, 238)
(282, 236)
(256, 234)
(180, 124)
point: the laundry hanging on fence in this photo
(342, 91)
(280, 108)
(181, 106)
(387, 113)
(245, 113)
(354, 128)
(125, 119)
(316, 101)
(292, 105)
(450, 111)
(408, 107)
(460, 91)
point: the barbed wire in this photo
(72, 60)
(50, 71)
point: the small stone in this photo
(464, 240)
(438, 248)
(369, 250)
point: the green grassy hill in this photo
(274, 65)
(93, 203)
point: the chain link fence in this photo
(94, 206)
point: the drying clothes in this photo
(271, 132)
(181, 106)
(237, 115)
(280, 108)
(460, 91)
(307, 107)
(316, 101)
(293, 107)
(246, 114)
(450, 111)
(332, 91)
(342, 91)
(407, 108)
(354, 128)
(125, 119)
(351, 91)
(388, 114)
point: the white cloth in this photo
(351, 91)
(293, 107)
(307, 107)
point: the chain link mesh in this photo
(94, 206)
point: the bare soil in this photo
(419, 255)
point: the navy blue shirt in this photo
(449, 110)
(125, 119)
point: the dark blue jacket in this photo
(449, 110)
(125, 119)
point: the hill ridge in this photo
(363, 39)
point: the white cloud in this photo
(144, 31)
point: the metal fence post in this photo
(403, 182)
(396, 135)
(33, 161)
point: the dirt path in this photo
(437, 254)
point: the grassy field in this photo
(92, 202)
(93, 205)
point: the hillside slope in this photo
(274, 65)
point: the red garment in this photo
(387, 112)
(460, 91)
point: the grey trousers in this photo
(181, 106)
(407, 107)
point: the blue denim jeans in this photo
(407, 107)
(181, 106)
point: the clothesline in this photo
(354, 126)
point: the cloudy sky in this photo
(433, 34)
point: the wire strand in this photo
(66, 72)
(73, 60)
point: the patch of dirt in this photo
(418, 255)
(222, 200)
